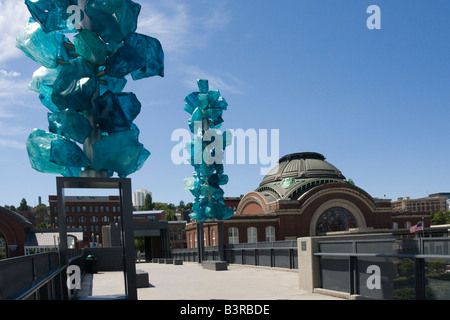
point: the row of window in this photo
(252, 235)
(83, 219)
(233, 236)
(90, 209)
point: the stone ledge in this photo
(142, 279)
(215, 265)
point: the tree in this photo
(170, 216)
(440, 217)
(23, 205)
(148, 203)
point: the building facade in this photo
(88, 213)
(13, 233)
(138, 198)
(432, 203)
(306, 196)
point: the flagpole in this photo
(423, 227)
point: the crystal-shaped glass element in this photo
(75, 86)
(39, 146)
(112, 84)
(116, 111)
(70, 124)
(43, 77)
(89, 46)
(42, 47)
(46, 98)
(141, 55)
(66, 153)
(52, 15)
(112, 20)
(119, 152)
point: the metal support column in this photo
(200, 241)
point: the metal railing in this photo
(35, 277)
(393, 269)
(281, 254)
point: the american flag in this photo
(417, 227)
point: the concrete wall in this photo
(108, 259)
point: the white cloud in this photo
(10, 143)
(13, 92)
(13, 17)
(169, 23)
(179, 26)
(224, 82)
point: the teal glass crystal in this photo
(39, 147)
(43, 77)
(67, 153)
(75, 86)
(113, 20)
(45, 96)
(150, 53)
(42, 47)
(70, 124)
(141, 56)
(206, 108)
(52, 15)
(120, 152)
(116, 111)
(112, 84)
(90, 47)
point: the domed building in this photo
(304, 195)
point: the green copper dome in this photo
(297, 173)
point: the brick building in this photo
(13, 233)
(89, 213)
(305, 196)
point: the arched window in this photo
(233, 236)
(105, 219)
(93, 219)
(270, 233)
(2, 245)
(69, 219)
(252, 235)
(81, 219)
(335, 219)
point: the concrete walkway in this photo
(191, 282)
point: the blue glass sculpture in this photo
(206, 153)
(113, 20)
(141, 55)
(43, 47)
(75, 86)
(116, 111)
(90, 47)
(91, 120)
(52, 15)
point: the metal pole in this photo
(200, 241)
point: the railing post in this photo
(353, 269)
(419, 275)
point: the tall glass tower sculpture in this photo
(91, 130)
(206, 153)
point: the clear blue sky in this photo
(374, 102)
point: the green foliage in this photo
(440, 217)
(406, 267)
(23, 205)
(139, 244)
